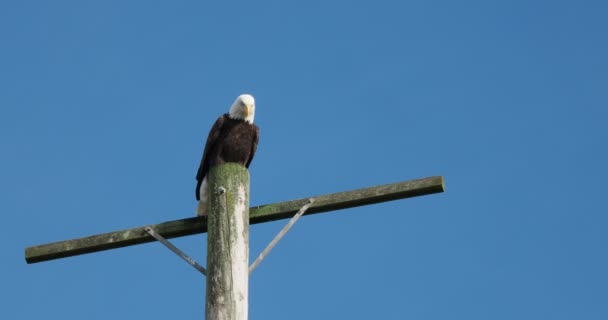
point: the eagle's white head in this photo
(243, 108)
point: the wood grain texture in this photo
(259, 214)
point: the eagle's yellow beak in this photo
(247, 110)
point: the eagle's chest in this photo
(237, 143)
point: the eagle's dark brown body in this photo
(230, 140)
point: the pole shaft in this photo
(228, 243)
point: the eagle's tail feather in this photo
(201, 210)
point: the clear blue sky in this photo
(105, 106)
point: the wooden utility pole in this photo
(228, 243)
(228, 228)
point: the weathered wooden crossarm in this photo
(264, 213)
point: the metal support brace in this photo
(278, 237)
(175, 250)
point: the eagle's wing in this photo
(254, 146)
(203, 168)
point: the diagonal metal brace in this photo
(278, 237)
(175, 250)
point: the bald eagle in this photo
(233, 138)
